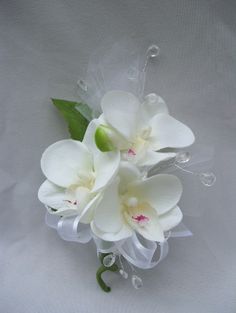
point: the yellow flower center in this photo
(140, 144)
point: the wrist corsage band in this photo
(110, 182)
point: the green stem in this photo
(101, 270)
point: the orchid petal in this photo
(123, 233)
(88, 212)
(150, 228)
(168, 132)
(63, 211)
(152, 232)
(152, 158)
(128, 173)
(54, 198)
(152, 105)
(106, 165)
(83, 197)
(63, 161)
(89, 139)
(51, 195)
(171, 219)
(107, 215)
(162, 191)
(121, 111)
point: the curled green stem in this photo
(101, 270)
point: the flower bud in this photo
(103, 139)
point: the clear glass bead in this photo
(109, 260)
(183, 157)
(153, 51)
(123, 273)
(82, 85)
(207, 179)
(136, 281)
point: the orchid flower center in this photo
(134, 212)
(146, 132)
(79, 193)
(139, 145)
(86, 180)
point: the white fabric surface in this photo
(44, 46)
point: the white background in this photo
(44, 46)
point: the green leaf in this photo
(77, 122)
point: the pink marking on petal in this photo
(131, 152)
(141, 219)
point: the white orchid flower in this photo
(138, 129)
(148, 207)
(75, 178)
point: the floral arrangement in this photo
(99, 184)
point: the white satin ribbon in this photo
(140, 252)
(69, 228)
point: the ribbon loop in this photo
(69, 228)
(142, 254)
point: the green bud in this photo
(103, 139)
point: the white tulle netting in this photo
(117, 66)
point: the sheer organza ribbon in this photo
(140, 252)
